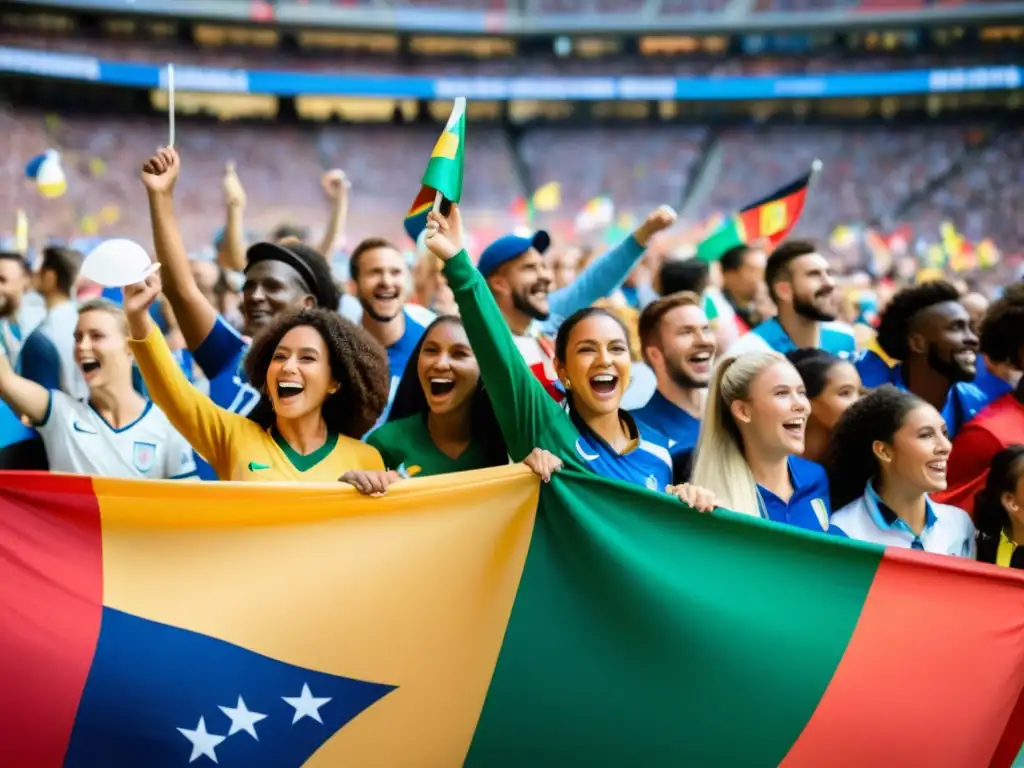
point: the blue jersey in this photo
(990, 385)
(809, 507)
(963, 400)
(398, 358)
(649, 464)
(873, 369)
(221, 357)
(670, 420)
(836, 338)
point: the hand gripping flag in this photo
(769, 220)
(444, 170)
(479, 619)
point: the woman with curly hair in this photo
(888, 452)
(441, 420)
(999, 510)
(324, 382)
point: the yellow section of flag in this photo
(447, 145)
(548, 197)
(413, 589)
(774, 218)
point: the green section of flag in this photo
(640, 632)
(447, 161)
(727, 236)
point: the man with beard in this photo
(928, 331)
(520, 279)
(278, 278)
(379, 281)
(677, 342)
(801, 284)
(1001, 424)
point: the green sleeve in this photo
(379, 439)
(525, 411)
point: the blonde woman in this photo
(751, 438)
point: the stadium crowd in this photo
(773, 378)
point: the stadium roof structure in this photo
(518, 20)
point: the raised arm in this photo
(204, 425)
(25, 397)
(231, 248)
(195, 315)
(336, 187)
(607, 272)
(525, 411)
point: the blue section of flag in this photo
(32, 167)
(416, 222)
(158, 696)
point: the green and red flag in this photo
(444, 170)
(488, 619)
(768, 220)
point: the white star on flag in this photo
(242, 719)
(306, 705)
(203, 743)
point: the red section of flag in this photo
(773, 217)
(51, 595)
(937, 655)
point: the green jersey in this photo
(406, 445)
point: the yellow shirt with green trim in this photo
(237, 448)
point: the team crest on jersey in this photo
(143, 456)
(652, 483)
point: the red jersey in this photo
(999, 425)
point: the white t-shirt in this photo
(80, 441)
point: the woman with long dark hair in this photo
(887, 454)
(999, 510)
(592, 359)
(832, 384)
(441, 419)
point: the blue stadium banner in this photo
(582, 88)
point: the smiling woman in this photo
(888, 452)
(324, 382)
(751, 438)
(442, 419)
(592, 358)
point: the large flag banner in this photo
(482, 620)
(444, 171)
(768, 220)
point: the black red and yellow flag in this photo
(766, 222)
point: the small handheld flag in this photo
(48, 174)
(442, 180)
(770, 219)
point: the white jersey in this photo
(80, 441)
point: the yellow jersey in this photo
(237, 448)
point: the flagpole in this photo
(170, 104)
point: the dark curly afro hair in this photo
(358, 363)
(850, 461)
(894, 326)
(1002, 330)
